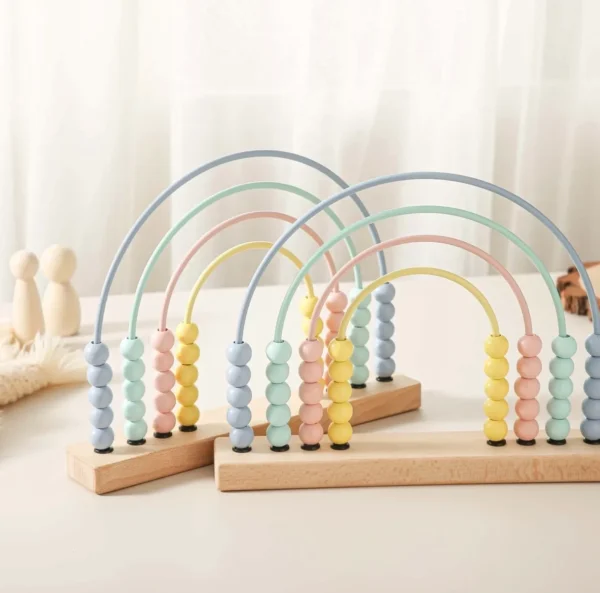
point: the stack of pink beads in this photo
(164, 401)
(527, 388)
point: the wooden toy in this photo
(60, 304)
(27, 318)
(573, 295)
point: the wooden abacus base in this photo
(405, 459)
(131, 465)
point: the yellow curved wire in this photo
(422, 271)
(230, 253)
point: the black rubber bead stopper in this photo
(103, 451)
(162, 435)
(314, 447)
(359, 386)
(242, 450)
(280, 449)
(557, 443)
(497, 443)
(136, 443)
(340, 447)
(188, 428)
(526, 443)
(589, 442)
(384, 379)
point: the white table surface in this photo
(180, 532)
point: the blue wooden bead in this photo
(360, 375)
(591, 409)
(564, 346)
(561, 388)
(96, 354)
(135, 431)
(354, 293)
(239, 396)
(238, 376)
(241, 438)
(278, 393)
(361, 317)
(384, 367)
(278, 415)
(102, 438)
(590, 429)
(562, 368)
(359, 336)
(592, 344)
(132, 349)
(99, 376)
(279, 352)
(239, 417)
(558, 429)
(239, 354)
(133, 370)
(592, 367)
(385, 293)
(134, 411)
(278, 436)
(384, 348)
(591, 387)
(384, 330)
(101, 417)
(133, 390)
(278, 373)
(360, 356)
(385, 311)
(559, 408)
(100, 397)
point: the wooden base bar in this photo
(130, 465)
(397, 459)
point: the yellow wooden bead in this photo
(340, 350)
(340, 413)
(496, 368)
(186, 374)
(306, 326)
(497, 388)
(340, 434)
(307, 305)
(495, 430)
(341, 371)
(187, 353)
(187, 396)
(496, 346)
(187, 332)
(188, 415)
(339, 392)
(495, 410)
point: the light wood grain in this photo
(397, 459)
(128, 466)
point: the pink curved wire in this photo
(222, 226)
(424, 239)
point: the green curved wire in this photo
(215, 198)
(285, 305)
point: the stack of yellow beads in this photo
(339, 392)
(496, 389)
(186, 374)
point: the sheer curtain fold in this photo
(105, 104)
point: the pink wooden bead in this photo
(310, 372)
(527, 388)
(311, 350)
(530, 346)
(164, 402)
(334, 321)
(529, 368)
(164, 422)
(527, 409)
(164, 382)
(163, 361)
(336, 302)
(311, 393)
(163, 340)
(526, 430)
(330, 336)
(310, 434)
(311, 413)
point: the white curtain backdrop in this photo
(104, 104)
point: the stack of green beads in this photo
(134, 408)
(278, 394)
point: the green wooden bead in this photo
(360, 375)
(360, 356)
(564, 346)
(279, 352)
(278, 415)
(562, 368)
(361, 317)
(354, 293)
(133, 370)
(132, 349)
(277, 373)
(559, 408)
(278, 436)
(133, 411)
(278, 393)
(134, 431)
(560, 388)
(359, 336)
(557, 429)
(133, 390)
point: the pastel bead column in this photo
(100, 396)
(278, 412)
(359, 336)
(311, 394)
(496, 388)
(590, 427)
(561, 387)
(527, 388)
(339, 391)
(186, 374)
(336, 304)
(164, 400)
(239, 395)
(134, 408)
(384, 330)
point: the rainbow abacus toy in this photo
(285, 446)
